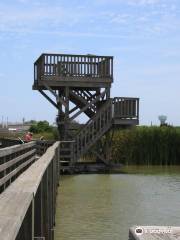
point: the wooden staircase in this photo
(95, 128)
(109, 114)
(81, 98)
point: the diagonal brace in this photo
(48, 98)
(58, 99)
(88, 105)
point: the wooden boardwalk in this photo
(28, 204)
(28, 196)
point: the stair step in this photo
(66, 156)
(94, 129)
(65, 149)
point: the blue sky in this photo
(142, 35)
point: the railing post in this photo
(46, 205)
(33, 219)
(138, 108)
(38, 206)
(42, 69)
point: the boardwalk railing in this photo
(43, 145)
(14, 160)
(7, 142)
(73, 65)
(27, 206)
(124, 107)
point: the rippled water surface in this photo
(103, 207)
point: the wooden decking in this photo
(73, 71)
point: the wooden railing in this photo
(127, 108)
(43, 145)
(13, 161)
(27, 206)
(65, 65)
(94, 129)
(117, 108)
(7, 142)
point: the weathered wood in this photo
(16, 160)
(86, 137)
(13, 149)
(54, 82)
(127, 108)
(13, 208)
(88, 105)
(16, 171)
(76, 78)
(17, 201)
(48, 98)
(13, 161)
(79, 65)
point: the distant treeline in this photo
(147, 146)
(43, 128)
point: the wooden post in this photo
(66, 122)
(46, 205)
(38, 217)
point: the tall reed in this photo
(147, 146)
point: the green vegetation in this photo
(147, 146)
(42, 128)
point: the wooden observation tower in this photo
(77, 84)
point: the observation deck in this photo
(65, 70)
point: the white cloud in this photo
(131, 2)
(57, 19)
(120, 18)
(37, 17)
(143, 2)
(23, 1)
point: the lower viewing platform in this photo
(125, 111)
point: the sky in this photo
(142, 35)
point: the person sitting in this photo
(28, 137)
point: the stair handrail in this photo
(97, 114)
(84, 133)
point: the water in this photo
(103, 207)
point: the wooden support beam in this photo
(58, 98)
(52, 91)
(88, 105)
(49, 99)
(99, 155)
(73, 109)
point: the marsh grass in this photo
(147, 146)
